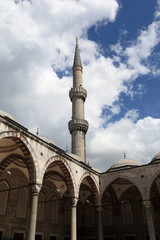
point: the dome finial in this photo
(124, 155)
(76, 40)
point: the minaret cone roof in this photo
(77, 58)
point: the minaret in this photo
(78, 126)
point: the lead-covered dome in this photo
(124, 163)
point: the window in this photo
(66, 238)
(90, 238)
(18, 236)
(1, 234)
(89, 216)
(67, 213)
(38, 236)
(129, 237)
(108, 238)
(53, 237)
(4, 187)
(147, 237)
(40, 210)
(107, 215)
(127, 212)
(54, 210)
(22, 203)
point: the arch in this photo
(114, 199)
(110, 179)
(62, 163)
(92, 181)
(26, 148)
(151, 179)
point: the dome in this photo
(125, 163)
(5, 114)
(156, 157)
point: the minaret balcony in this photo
(78, 124)
(78, 92)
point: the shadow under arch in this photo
(154, 174)
(155, 193)
(68, 174)
(28, 157)
(93, 183)
(123, 202)
(110, 179)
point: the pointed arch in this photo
(134, 180)
(63, 164)
(94, 185)
(26, 148)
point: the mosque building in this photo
(49, 194)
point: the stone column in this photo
(74, 220)
(33, 214)
(100, 224)
(149, 217)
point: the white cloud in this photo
(140, 140)
(37, 35)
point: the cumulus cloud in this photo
(37, 40)
(140, 140)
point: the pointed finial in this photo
(37, 131)
(66, 148)
(124, 155)
(77, 58)
(76, 40)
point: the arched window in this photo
(4, 187)
(40, 211)
(127, 212)
(22, 203)
(54, 210)
(107, 215)
(89, 216)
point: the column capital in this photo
(147, 203)
(100, 209)
(74, 201)
(35, 189)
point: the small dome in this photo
(156, 157)
(5, 114)
(125, 163)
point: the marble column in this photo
(100, 224)
(74, 220)
(33, 214)
(149, 218)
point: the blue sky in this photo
(132, 17)
(119, 42)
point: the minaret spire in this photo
(77, 58)
(78, 126)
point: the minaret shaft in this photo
(78, 126)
